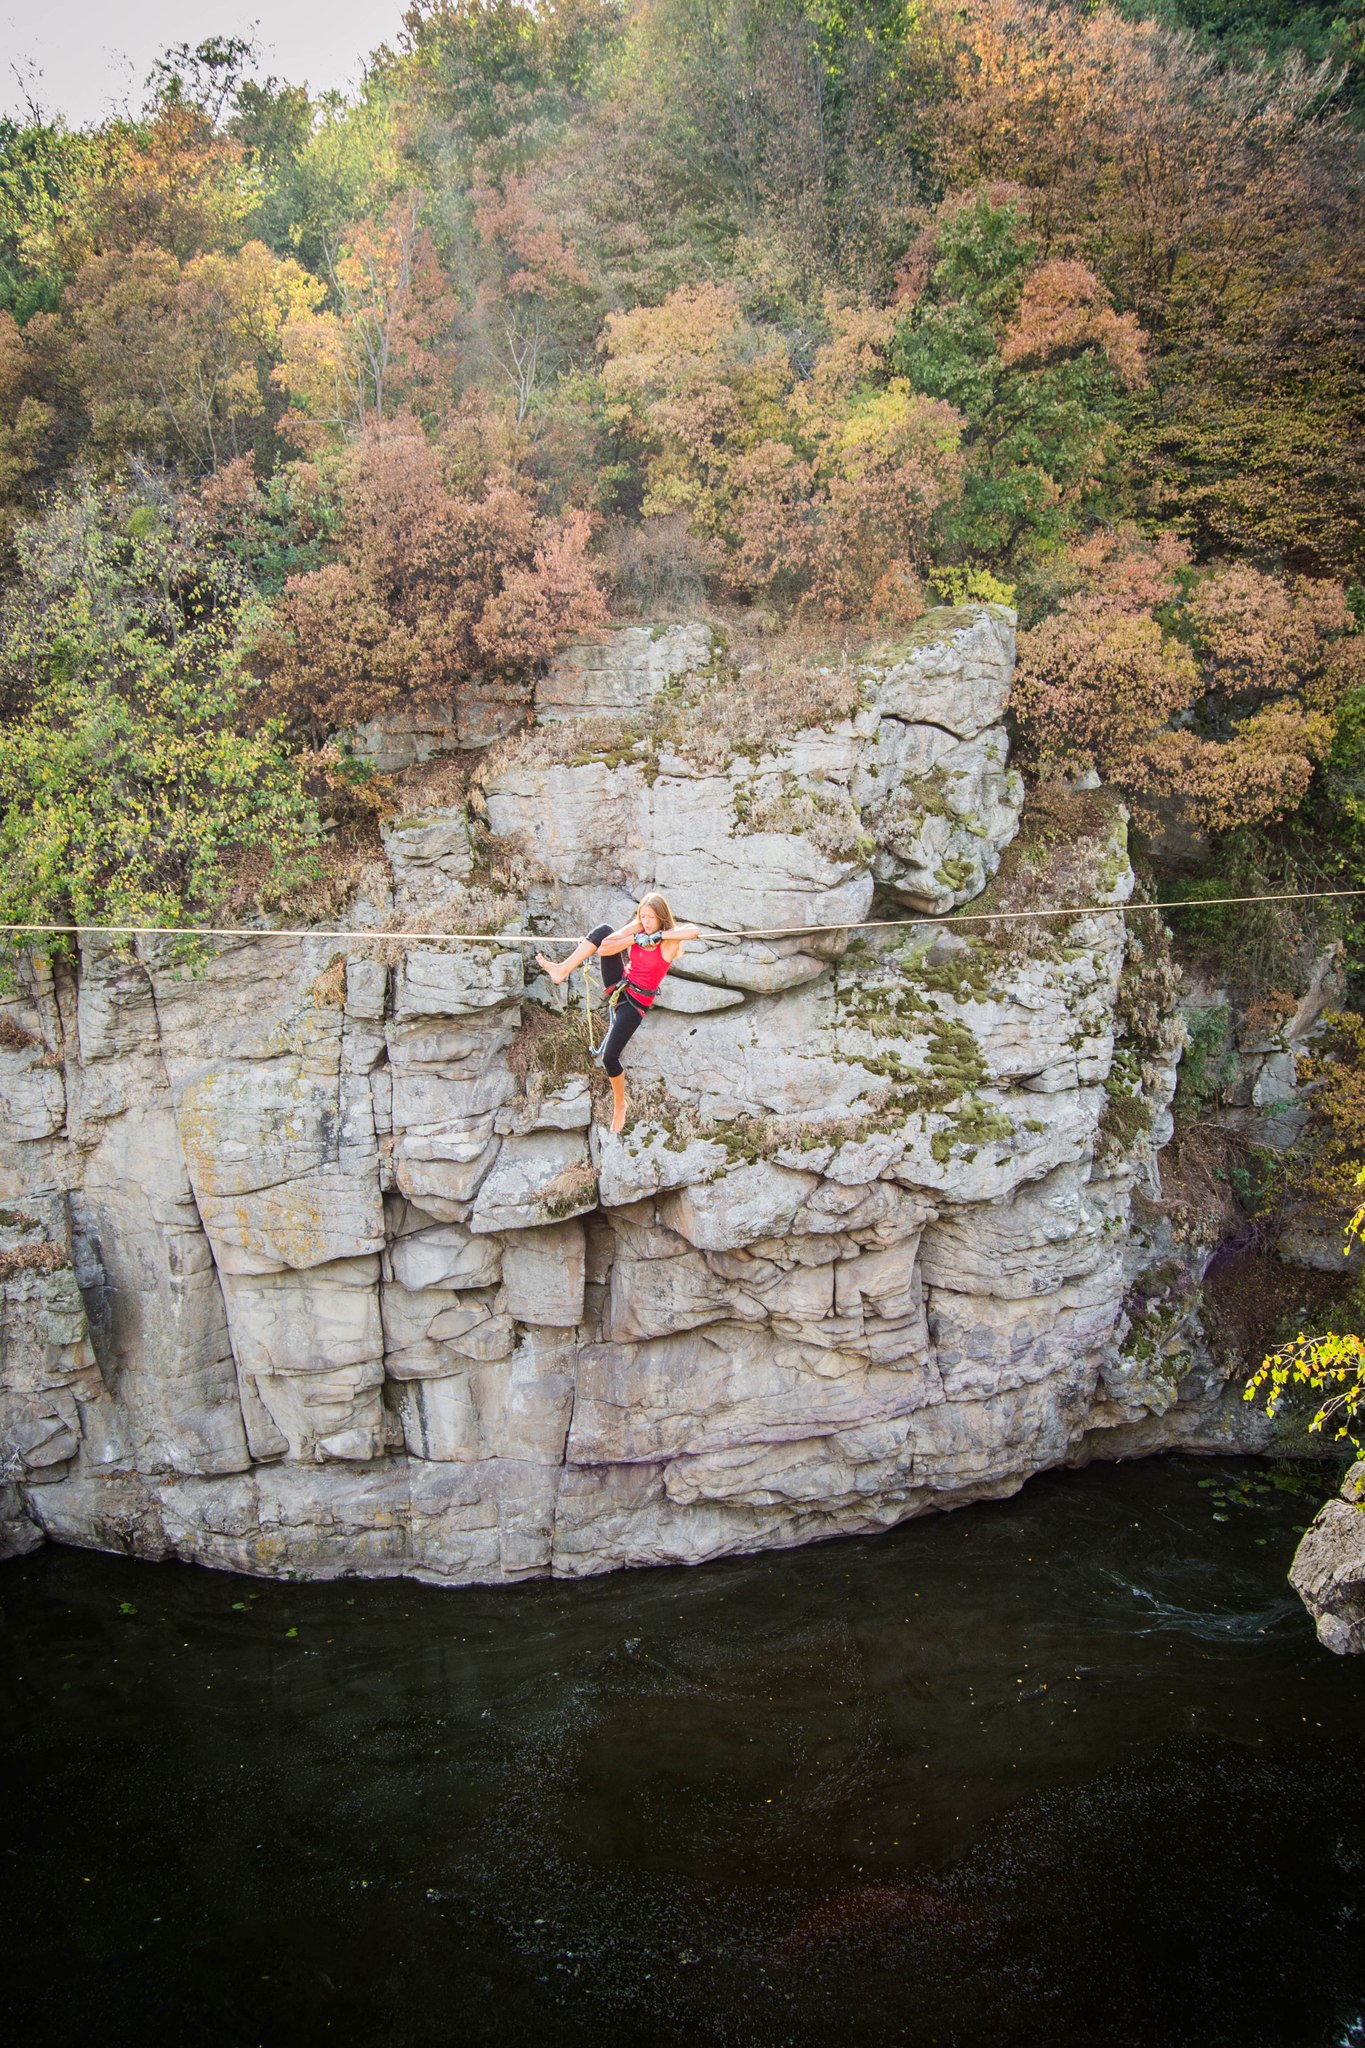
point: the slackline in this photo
(948, 921)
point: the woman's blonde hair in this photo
(659, 905)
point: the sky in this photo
(81, 59)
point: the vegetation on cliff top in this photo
(608, 308)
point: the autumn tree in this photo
(1222, 207)
(820, 490)
(768, 141)
(171, 181)
(836, 512)
(375, 348)
(534, 306)
(1216, 691)
(275, 526)
(176, 359)
(26, 421)
(696, 386)
(486, 82)
(433, 587)
(1034, 357)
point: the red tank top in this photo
(645, 969)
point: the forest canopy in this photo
(606, 309)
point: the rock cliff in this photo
(317, 1256)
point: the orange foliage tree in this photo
(536, 303)
(434, 586)
(820, 490)
(1216, 691)
(376, 350)
(171, 182)
(175, 358)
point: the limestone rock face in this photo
(318, 1258)
(1328, 1572)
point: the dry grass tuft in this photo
(340, 868)
(436, 785)
(329, 990)
(1056, 862)
(550, 1047)
(570, 1191)
(13, 1037)
(1197, 1184)
(32, 1258)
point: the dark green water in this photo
(1066, 1770)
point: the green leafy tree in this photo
(134, 774)
(33, 171)
(1035, 359)
(1331, 1367)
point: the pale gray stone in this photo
(567, 1108)
(622, 672)
(458, 982)
(32, 1094)
(1328, 1572)
(694, 998)
(445, 1255)
(738, 1207)
(952, 668)
(541, 1178)
(543, 1274)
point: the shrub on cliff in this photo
(134, 768)
(1217, 690)
(440, 578)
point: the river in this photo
(1068, 1769)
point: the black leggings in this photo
(627, 1016)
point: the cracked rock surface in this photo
(1328, 1572)
(322, 1261)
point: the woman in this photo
(652, 941)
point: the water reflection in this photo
(1065, 1770)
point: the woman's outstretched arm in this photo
(618, 942)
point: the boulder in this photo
(953, 668)
(541, 1178)
(1328, 1572)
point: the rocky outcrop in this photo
(318, 1257)
(1328, 1572)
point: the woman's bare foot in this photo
(618, 1097)
(558, 971)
